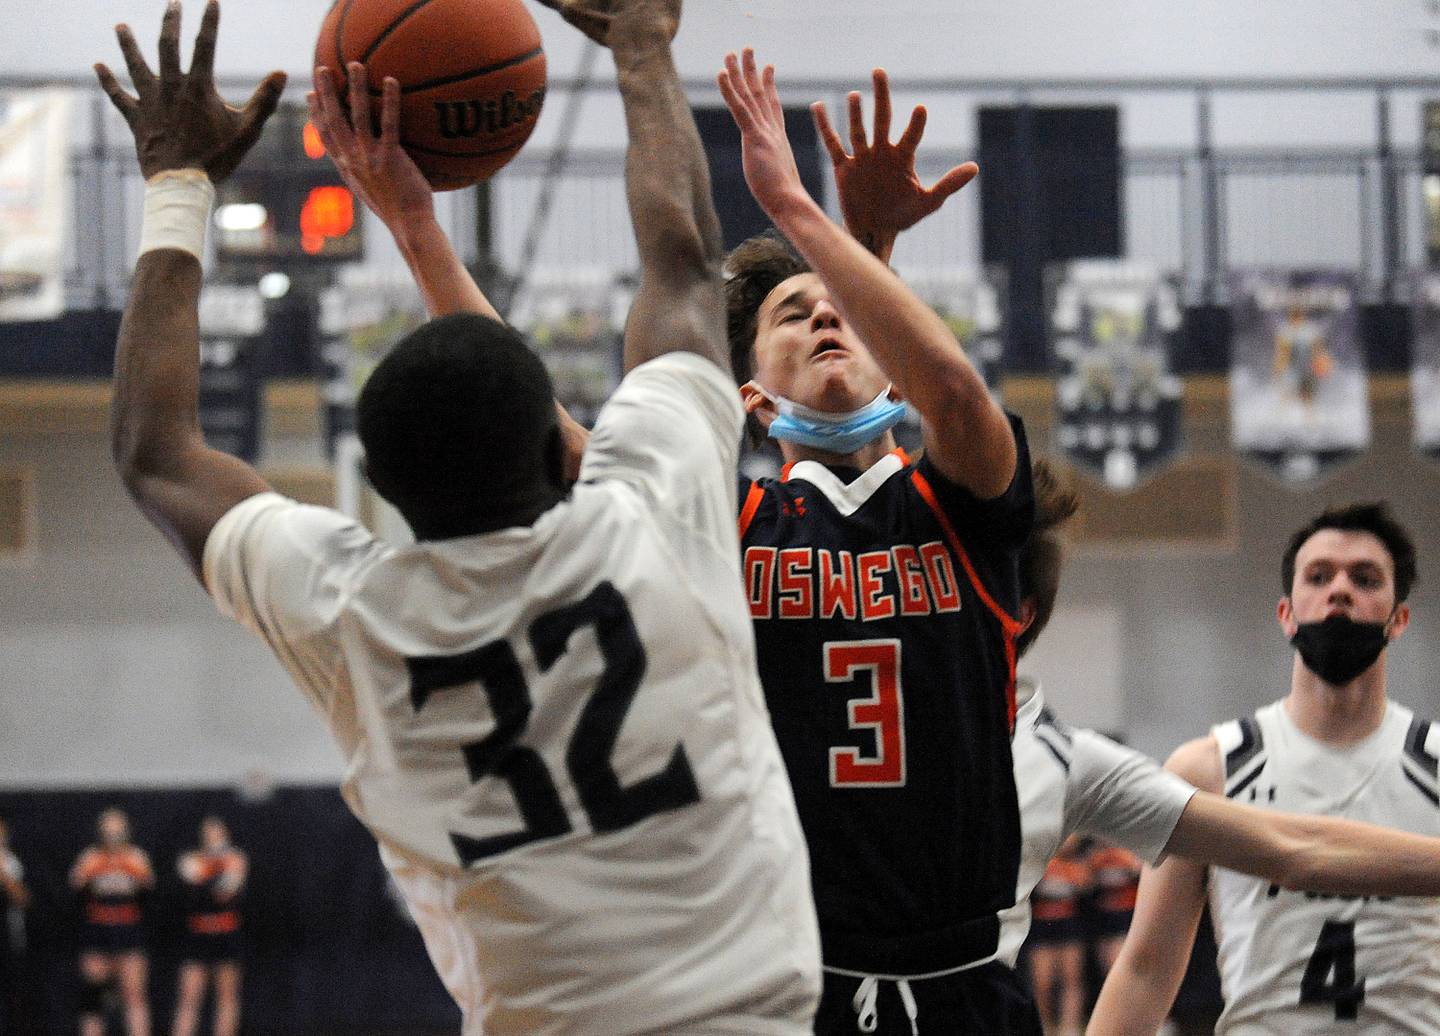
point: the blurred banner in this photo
(578, 329)
(1299, 396)
(232, 317)
(35, 196)
(1425, 377)
(1118, 406)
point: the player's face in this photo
(213, 835)
(114, 828)
(1339, 572)
(807, 353)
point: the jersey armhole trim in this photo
(1008, 625)
(752, 504)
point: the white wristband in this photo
(177, 211)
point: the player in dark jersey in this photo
(1116, 876)
(214, 878)
(883, 592)
(111, 877)
(1057, 940)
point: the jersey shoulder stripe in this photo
(751, 504)
(1421, 767)
(1242, 745)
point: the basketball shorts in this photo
(211, 949)
(112, 938)
(989, 999)
(1058, 932)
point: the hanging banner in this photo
(35, 202)
(1118, 406)
(1425, 376)
(578, 328)
(232, 318)
(1299, 395)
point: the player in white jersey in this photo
(1302, 962)
(548, 705)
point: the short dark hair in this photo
(458, 423)
(753, 270)
(1374, 518)
(1043, 555)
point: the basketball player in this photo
(549, 703)
(14, 898)
(1294, 959)
(1057, 940)
(111, 876)
(214, 877)
(1115, 873)
(884, 594)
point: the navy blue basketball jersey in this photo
(884, 606)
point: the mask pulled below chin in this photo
(1339, 649)
(835, 433)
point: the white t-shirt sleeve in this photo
(1117, 794)
(672, 432)
(285, 570)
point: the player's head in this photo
(113, 827)
(214, 834)
(787, 338)
(460, 429)
(1355, 562)
(1044, 552)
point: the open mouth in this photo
(827, 345)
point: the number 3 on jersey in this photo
(608, 805)
(1334, 956)
(882, 712)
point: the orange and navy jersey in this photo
(1116, 874)
(213, 886)
(111, 882)
(883, 603)
(1057, 896)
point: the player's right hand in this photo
(373, 165)
(765, 152)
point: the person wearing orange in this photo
(214, 877)
(111, 877)
(1057, 940)
(1115, 873)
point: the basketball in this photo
(471, 74)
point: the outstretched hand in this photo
(597, 18)
(374, 166)
(768, 160)
(880, 195)
(178, 119)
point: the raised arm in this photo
(967, 435)
(679, 306)
(379, 172)
(187, 139)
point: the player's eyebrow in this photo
(795, 298)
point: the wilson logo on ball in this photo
(458, 120)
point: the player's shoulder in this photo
(1200, 762)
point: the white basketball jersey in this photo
(557, 734)
(1300, 963)
(1079, 782)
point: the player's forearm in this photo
(667, 179)
(445, 283)
(914, 347)
(1136, 997)
(154, 414)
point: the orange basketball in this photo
(471, 74)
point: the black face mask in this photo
(1339, 649)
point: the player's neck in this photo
(862, 459)
(1337, 715)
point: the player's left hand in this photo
(880, 195)
(178, 119)
(768, 160)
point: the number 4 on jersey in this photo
(883, 712)
(1334, 956)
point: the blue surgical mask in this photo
(835, 433)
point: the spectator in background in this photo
(1057, 941)
(214, 876)
(14, 897)
(1115, 875)
(110, 878)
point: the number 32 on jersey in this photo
(882, 712)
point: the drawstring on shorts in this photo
(866, 1010)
